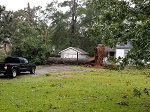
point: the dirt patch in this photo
(98, 66)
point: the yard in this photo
(82, 89)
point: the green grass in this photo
(98, 90)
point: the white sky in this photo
(21, 4)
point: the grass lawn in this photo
(98, 90)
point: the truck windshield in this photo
(12, 60)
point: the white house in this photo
(122, 49)
(72, 52)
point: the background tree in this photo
(122, 22)
(85, 25)
(6, 30)
(73, 9)
(83, 18)
(31, 37)
(87, 17)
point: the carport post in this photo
(77, 58)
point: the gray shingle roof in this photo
(109, 49)
(76, 49)
(80, 50)
(124, 46)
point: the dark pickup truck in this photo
(14, 65)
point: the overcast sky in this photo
(20, 4)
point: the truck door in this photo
(24, 64)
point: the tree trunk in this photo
(73, 22)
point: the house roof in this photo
(75, 49)
(109, 49)
(124, 46)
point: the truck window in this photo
(26, 61)
(12, 60)
(23, 60)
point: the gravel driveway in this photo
(57, 68)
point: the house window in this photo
(112, 54)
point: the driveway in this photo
(58, 68)
(55, 68)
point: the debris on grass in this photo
(136, 92)
(145, 91)
(124, 103)
(47, 74)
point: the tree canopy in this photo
(121, 22)
(37, 33)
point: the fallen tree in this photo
(70, 61)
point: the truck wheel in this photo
(32, 71)
(13, 73)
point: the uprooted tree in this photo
(100, 54)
